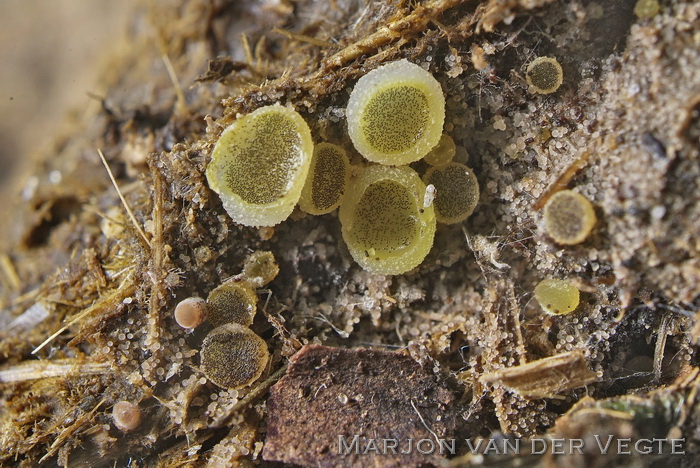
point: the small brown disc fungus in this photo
(260, 268)
(191, 312)
(457, 192)
(327, 180)
(395, 113)
(232, 303)
(259, 165)
(557, 296)
(568, 217)
(233, 356)
(126, 416)
(384, 223)
(544, 75)
(443, 152)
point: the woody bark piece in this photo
(330, 395)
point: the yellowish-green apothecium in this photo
(557, 296)
(544, 75)
(443, 152)
(327, 180)
(259, 165)
(232, 302)
(457, 191)
(568, 217)
(395, 113)
(384, 222)
(233, 356)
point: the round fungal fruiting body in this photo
(259, 165)
(395, 113)
(232, 356)
(260, 268)
(645, 9)
(126, 416)
(457, 192)
(191, 312)
(557, 296)
(568, 217)
(232, 303)
(544, 75)
(443, 152)
(384, 223)
(327, 180)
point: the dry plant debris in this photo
(90, 276)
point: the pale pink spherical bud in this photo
(191, 312)
(126, 415)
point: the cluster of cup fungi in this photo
(266, 163)
(232, 355)
(395, 117)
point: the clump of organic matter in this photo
(396, 113)
(568, 217)
(259, 165)
(384, 223)
(457, 192)
(233, 356)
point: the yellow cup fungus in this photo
(457, 191)
(443, 152)
(568, 217)
(328, 177)
(259, 165)
(126, 416)
(544, 75)
(233, 356)
(260, 268)
(645, 9)
(191, 312)
(232, 302)
(384, 223)
(557, 296)
(395, 113)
